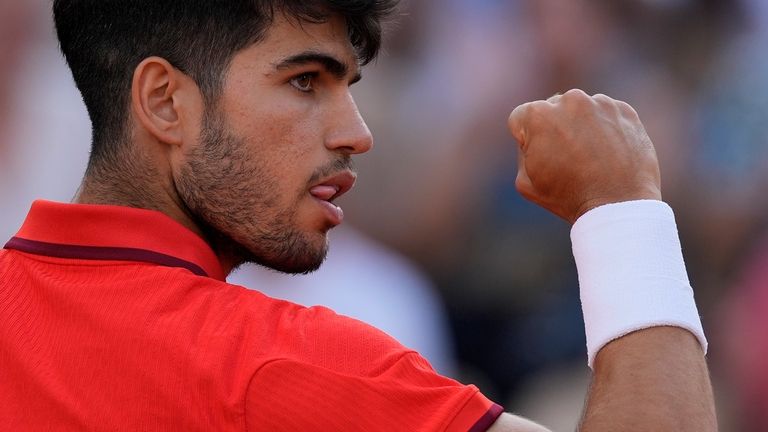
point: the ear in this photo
(159, 99)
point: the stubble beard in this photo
(226, 190)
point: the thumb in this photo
(523, 183)
(517, 122)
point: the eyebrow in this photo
(334, 66)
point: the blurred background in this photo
(439, 249)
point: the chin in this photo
(293, 257)
(297, 268)
(302, 265)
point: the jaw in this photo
(293, 242)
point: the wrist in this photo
(631, 272)
(649, 195)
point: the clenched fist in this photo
(578, 152)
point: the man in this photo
(222, 134)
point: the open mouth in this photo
(331, 188)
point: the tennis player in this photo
(223, 132)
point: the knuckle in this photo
(577, 99)
(540, 108)
(576, 95)
(518, 109)
(516, 114)
(604, 99)
(627, 110)
(538, 111)
(514, 120)
(575, 92)
(554, 98)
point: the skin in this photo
(578, 152)
(239, 174)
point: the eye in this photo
(303, 82)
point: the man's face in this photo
(276, 148)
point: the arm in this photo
(650, 380)
(576, 153)
(655, 379)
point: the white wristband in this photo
(631, 272)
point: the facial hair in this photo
(235, 202)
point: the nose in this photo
(348, 132)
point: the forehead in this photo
(286, 37)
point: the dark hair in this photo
(104, 40)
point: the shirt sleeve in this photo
(402, 394)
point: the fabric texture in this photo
(631, 273)
(119, 319)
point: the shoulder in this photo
(321, 337)
(273, 329)
(326, 371)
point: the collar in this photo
(105, 232)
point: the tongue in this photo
(323, 192)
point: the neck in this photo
(135, 185)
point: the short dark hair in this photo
(104, 40)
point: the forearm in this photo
(651, 380)
(633, 282)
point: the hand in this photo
(578, 152)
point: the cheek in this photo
(289, 173)
(290, 149)
(277, 118)
(283, 131)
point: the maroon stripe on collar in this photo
(487, 420)
(100, 253)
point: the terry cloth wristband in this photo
(631, 272)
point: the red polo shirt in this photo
(119, 319)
